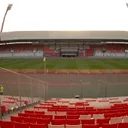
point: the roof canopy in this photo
(85, 35)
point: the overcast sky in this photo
(65, 15)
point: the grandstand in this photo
(87, 64)
(64, 44)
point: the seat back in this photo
(90, 126)
(38, 126)
(7, 124)
(59, 121)
(109, 126)
(21, 125)
(73, 121)
(91, 121)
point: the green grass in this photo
(65, 63)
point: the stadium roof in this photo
(54, 35)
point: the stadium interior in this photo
(63, 79)
(54, 99)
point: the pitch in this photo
(65, 63)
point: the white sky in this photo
(65, 15)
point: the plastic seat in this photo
(123, 125)
(60, 117)
(7, 124)
(102, 121)
(48, 116)
(41, 113)
(90, 126)
(16, 119)
(21, 125)
(109, 126)
(38, 126)
(73, 121)
(91, 121)
(27, 111)
(43, 121)
(59, 121)
(26, 119)
(73, 116)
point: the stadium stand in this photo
(39, 50)
(20, 51)
(103, 113)
(10, 103)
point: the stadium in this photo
(63, 79)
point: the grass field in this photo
(65, 64)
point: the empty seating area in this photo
(89, 52)
(20, 50)
(10, 103)
(39, 50)
(49, 51)
(115, 50)
(73, 113)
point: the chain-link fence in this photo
(20, 90)
(85, 85)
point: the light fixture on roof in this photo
(7, 9)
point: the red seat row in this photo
(9, 124)
(6, 124)
(57, 121)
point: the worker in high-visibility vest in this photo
(1, 90)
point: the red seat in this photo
(109, 115)
(23, 115)
(109, 126)
(73, 116)
(47, 116)
(38, 112)
(26, 111)
(123, 125)
(91, 121)
(90, 126)
(29, 120)
(59, 121)
(32, 120)
(16, 119)
(73, 121)
(38, 126)
(43, 121)
(21, 125)
(59, 117)
(7, 124)
(102, 121)
(26, 119)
